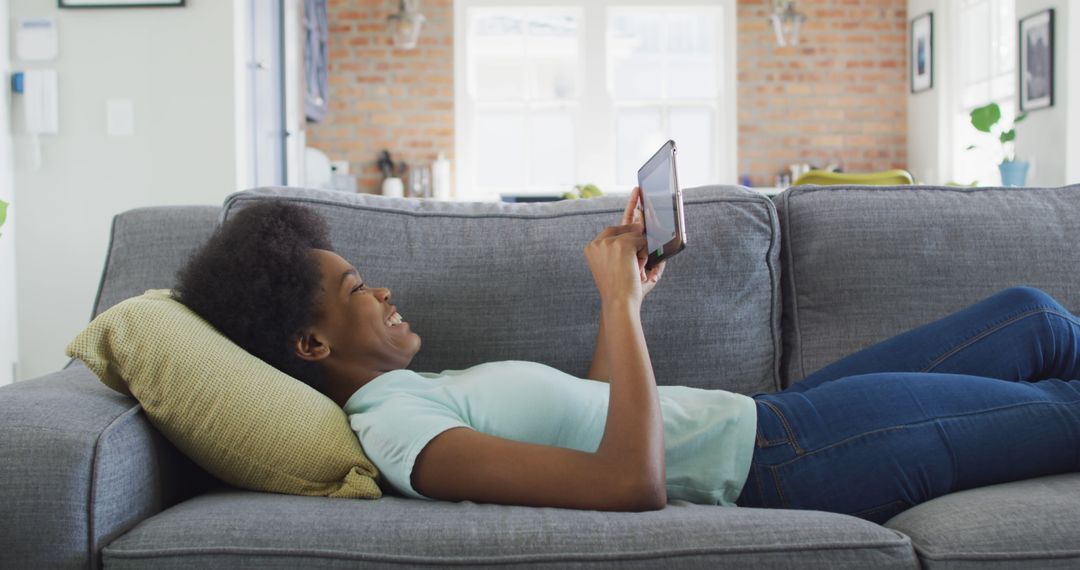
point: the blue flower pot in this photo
(1013, 173)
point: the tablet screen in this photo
(658, 190)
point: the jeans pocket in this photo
(774, 429)
(882, 513)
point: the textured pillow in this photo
(239, 418)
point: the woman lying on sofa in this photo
(965, 401)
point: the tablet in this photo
(665, 229)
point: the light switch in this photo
(120, 117)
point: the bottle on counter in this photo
(440, 178)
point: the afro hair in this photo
(256, 281)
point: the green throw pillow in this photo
(236, 416)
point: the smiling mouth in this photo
(394, 320)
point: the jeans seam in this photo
(779, 488)
(918, 424)
(760, 488)
(991, 330)
(787, 427)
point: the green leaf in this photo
(1008, 135)
(1020, 118)
(3, 211)
(985, 117)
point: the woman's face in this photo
(358, 322)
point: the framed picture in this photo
(922, 53)
(1037, 61)
(119, 3)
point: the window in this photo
(551, 95)
(986, 64)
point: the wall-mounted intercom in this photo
(41, 101)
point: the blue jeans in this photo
(986, 395)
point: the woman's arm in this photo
(600, 367)
(598, 370)
(627, 471)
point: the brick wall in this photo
(839, 95)
(385, 98)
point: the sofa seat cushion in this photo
(485, 281)
(240, 529)
(1025, 524)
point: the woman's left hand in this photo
(632, 215)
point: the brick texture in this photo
(386, 98)
(840, 95)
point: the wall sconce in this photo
(786, 22)
(405, 25)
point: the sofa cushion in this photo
(234, 415)
(490, 281)
(1029, 524)
(232, 529)
(862, 264)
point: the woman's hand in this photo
(613, 260)
(632, 215)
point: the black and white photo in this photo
(1037, 61)
(922, 53)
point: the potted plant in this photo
(985, 119)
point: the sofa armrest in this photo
(79, 465)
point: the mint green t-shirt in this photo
(708, 434)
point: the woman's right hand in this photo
(613, 260)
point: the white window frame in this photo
(956, 104)
(595, 116)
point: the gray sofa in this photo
(768, 291)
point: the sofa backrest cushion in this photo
(486, 281)
(146, 248)
(862, 264)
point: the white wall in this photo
(1049, 137)
(928, 111)
(1072, 91)
(9, 345)
(1043, 137)
(177, 66)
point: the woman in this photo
(961, 402)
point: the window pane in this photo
(662, 53)
(975, 95)
(638, 135)
(976, 33)
(500, 149)
(692, 130)
(1006, 36)
(980, 163)
(691, 77)
(551, 162)
(556, 78)
(691, 67)
(523, 53)
(553, 49)
(635, 54)
(496, 52)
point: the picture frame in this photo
(921, 53)
(1036, 52)
(120, 3)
